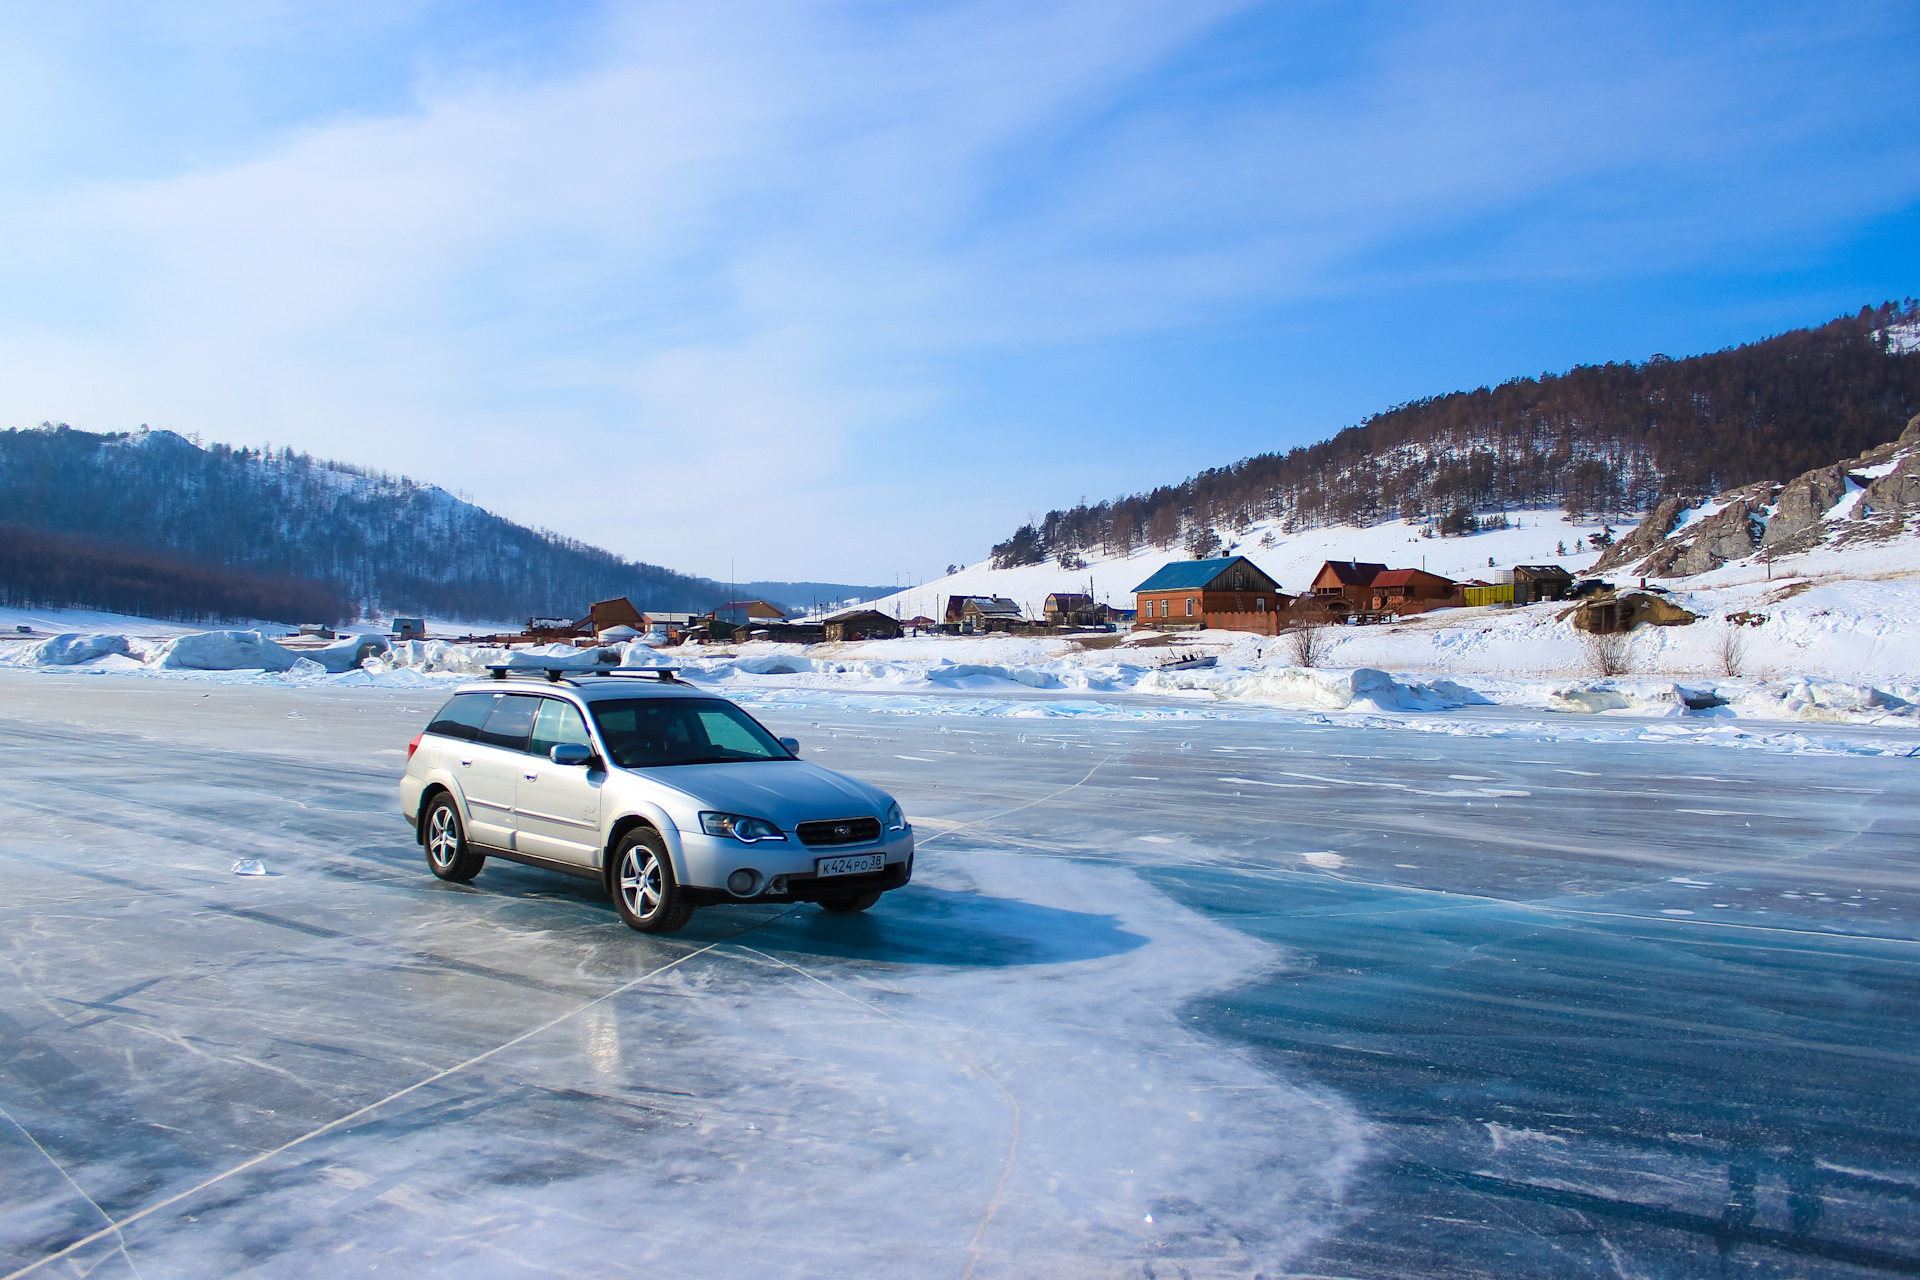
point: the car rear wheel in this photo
(644, 890)
(853, 904)
(449, 856)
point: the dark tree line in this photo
(1599, 440)
(380, 541)
(46, 571)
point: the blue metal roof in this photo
(1186, 574)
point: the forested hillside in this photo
(381, 541)
(1599, 439)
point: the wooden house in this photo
(750, 612)
(1071, 609)
(990, 613)
(1540, 582)
(1181, 595)
(1348, 581)
(862, 624)
(1407, 590)
(617, 612)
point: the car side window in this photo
(511, 722)
(558, 723)
(463, 715)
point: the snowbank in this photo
(1363, 689)
(222, 651)
(68, 649)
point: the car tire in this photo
(644, 890)
(852, 905)
(449, 855)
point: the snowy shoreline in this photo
(1772, 658)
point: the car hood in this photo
(784, 792)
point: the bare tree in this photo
(1163, 526)
(1733, 650)
(1308, 642)
(1609, 653)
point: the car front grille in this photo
(839, 831)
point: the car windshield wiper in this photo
(659, 764)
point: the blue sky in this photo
(845, 291)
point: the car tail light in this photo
(413, 746)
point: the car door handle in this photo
(466, 764)
(531, 777)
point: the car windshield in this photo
(642, 733)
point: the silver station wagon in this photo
(670, 797)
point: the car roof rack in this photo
(552, 675)
(565, 675)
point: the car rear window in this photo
(642, 732)
(463, 715)
(510, 722)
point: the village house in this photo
(749, 612)
(1533, 582)
(984, 613)
(862, 624)
(1070, 609)
(663, 625)
(604, 616)
(1181, 595)
(1408, 590)
(1348, 581)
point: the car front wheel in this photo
(449, 856)
(644, 889)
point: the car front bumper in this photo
(710, 860)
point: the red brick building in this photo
(1181, 594)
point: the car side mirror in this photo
(573, 753)
(792, 745)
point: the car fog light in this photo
(743, 881)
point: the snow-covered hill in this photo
(1538, 537)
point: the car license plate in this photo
(852, 864)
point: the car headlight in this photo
(741, 828)
(896, 820)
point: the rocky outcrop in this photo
(1874, 496)
(1731, 532)
(1645, 536)
(1803, 503)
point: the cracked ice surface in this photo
(1461, 994)
(991, 1076)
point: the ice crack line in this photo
(77, 1189)
(113, 1228)
(994, 817)
(974, 1248)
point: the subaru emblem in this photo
(843, 830)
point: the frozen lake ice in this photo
(1242, 996)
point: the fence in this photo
(1261, 624)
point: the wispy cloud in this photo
(705, 282)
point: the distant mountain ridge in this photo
(1600, 439)
(384, 542)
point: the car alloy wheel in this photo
(449, 855)
(640, 886)
(643, 886)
